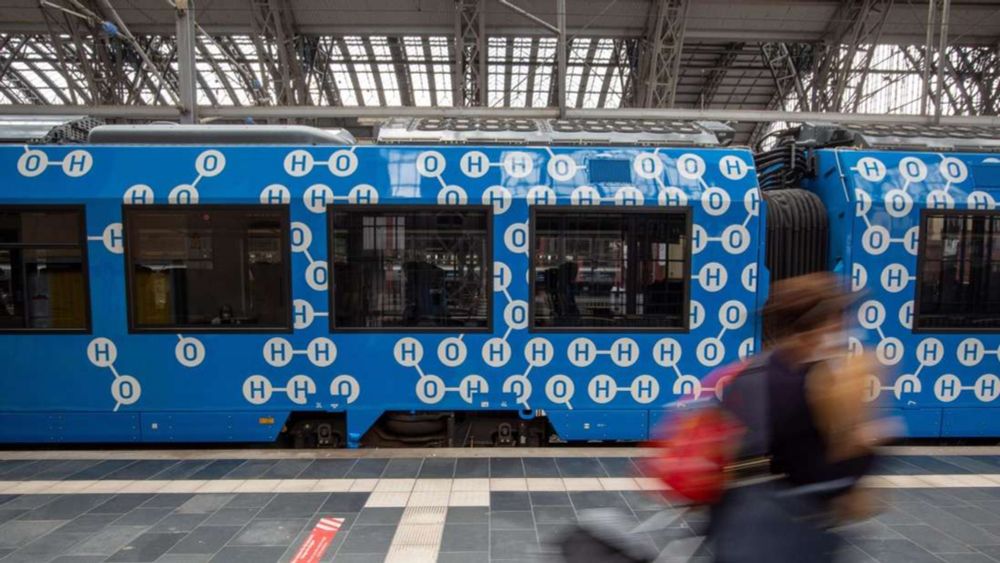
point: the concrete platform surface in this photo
(430, 505)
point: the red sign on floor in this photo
(318, 541)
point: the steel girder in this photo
(661, 57)
(469, 67)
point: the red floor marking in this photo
(318, 541)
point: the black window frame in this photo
(84, 244)
(361, 208)
(286, 257)
(924, 215)
(686, 211)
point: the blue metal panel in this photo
(210, 426)
(160, 374)
(926, 372)
(972, 422)
(601, 424)
(55, 427)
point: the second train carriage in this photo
(225, 288)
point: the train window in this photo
(43, 269)
(958, 281)
(411, 267)
(208, 267)
(598, 269)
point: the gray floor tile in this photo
(870, 530)
(46, 547)
(503, 467)
(467, 515)
(511, 520)
(507, 500)
(361, 558)
(438, 468)
(147, 547)
(184, 558)
(17, 533)
(553, 498)
(66, 507)
(231, 517)
(8, 515)
(250, 500)
(109, 540)
(379, 516)
(29, 502)
(598, 499)
(205, 540)
(179, 523)
(166, 500)
(344, 502)
(640, 500)
(931, 539)
(368, 468)
(243, 554)
(80, 559)
(580, 467)
(270, 532)
(143, 516)
(327, 469)
(217, 469)
(120, 504)
(293, 505)
(896, 551)
(618, 466)
(472, 467)
(367, 539)
(554, 514)
(141, 469)
(465, 537)
(287, 469)
(402, 468)
(991, 551)
(205, 503)
(478, 557)
(966, 558)
(88, 523)
(513, 544)
(252, 469)
(540, 467)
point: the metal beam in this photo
(715, 77)
(663, 48)
(469, 72)
(186, 69)
(315, 112)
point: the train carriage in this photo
(161, 285)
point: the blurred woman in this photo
(808, 439)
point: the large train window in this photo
(411, 267)
(208, 267)
(958, 280)
(622, 269)
(43, 269)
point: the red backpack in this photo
(703, 437)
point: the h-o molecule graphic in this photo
(125, 389)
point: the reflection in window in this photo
(610, 269)
(42, 279)
(208, 267)
(959, 280)
(414, 268)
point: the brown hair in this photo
(803, 303)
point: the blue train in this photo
(454, 284)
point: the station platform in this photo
(449, 505)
